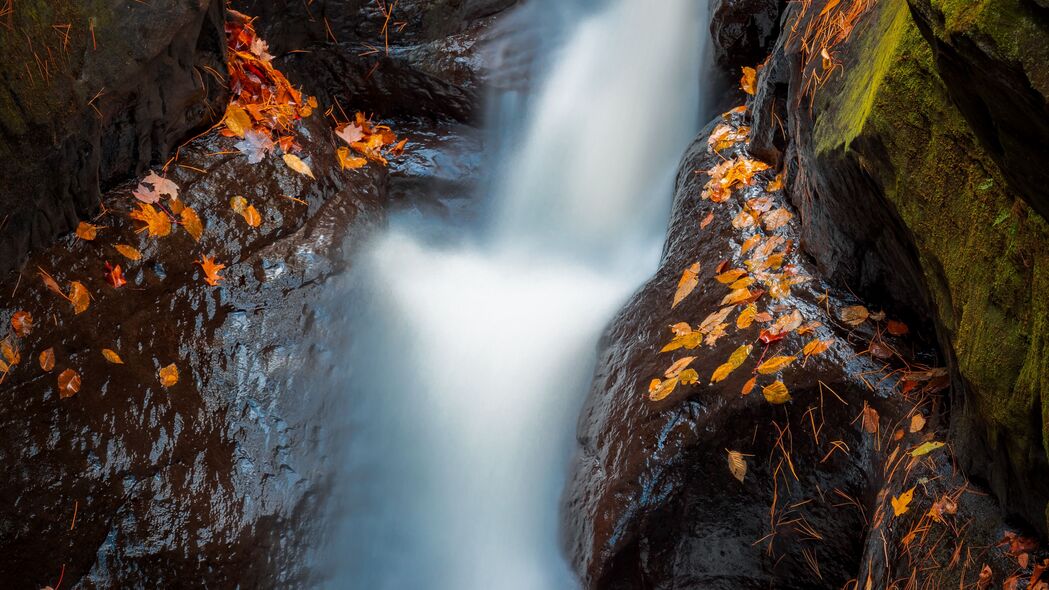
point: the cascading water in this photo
(474, 355)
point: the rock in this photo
(215, 479)
(93, 95)
(900, 196)
(743, 31)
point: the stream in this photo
(474, 341)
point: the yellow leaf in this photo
(348, 161)
(296, 164)
(737, 465)
(854, 315)
(750, 243)
(774, 364)
(737, 296)
(689, 341)
(688, 282)
(746, 317)
(68, 383)
(730, 276)
(776, 393)
(742, 283)
(86, 231)
(79, 297)
(237, 120)
(157, 222)
(192, 223)
(749, 81)
(169, 375)
(238, 204)
(917, 422)
(926, 448)
(714, 319)
(112, 356)
(901, 503)
(721, 373)
(47, 360)
(734, 361)
(129, 252)
(663, 389)
(678, 366)
(776, 184)
(688, 377)
(816, 347)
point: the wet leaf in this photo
(10, 352)
(714, 319)
(776, 393)
(816, 346)
(22, 323)
(659, 390)
(737, 296)
(146, 194)
(716, 332)
(689, 341)
(746, 317)
(191, 222)
(688, 377)
(51, 284)
(211, 270)
(169, 375)
(347, 161)
(749, 81)
(68, 383)
(255, 146)
(749, 386)
(706, 220)
(161, 186)
(734, 361)
(750, 243)
(870, 419)
(47, 360)
(112, 356)
(296, 164)
(985, 579)
(926, 448)
(678, 366)
(737, 465)
(775, 364)
(776, 219)
(917, 422)
(897, 328)
(776, 184)
(350, 133)
(115, 276)
(901, 504)
(86, 231)
(689, 280)
(157, 222)
(129, 252)
(79, 297)
(854, 315)
(730, 276)
(787, 323)
(237, 120)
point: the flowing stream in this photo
(474, 350)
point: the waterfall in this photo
(474, 353)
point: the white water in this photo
(476, 355)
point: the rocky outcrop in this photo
(92, 95)
(743, 31)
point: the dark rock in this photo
(92, 95)
(743, 31)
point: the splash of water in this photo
(476, 355)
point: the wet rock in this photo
(214, 481)
(92, 95)
(743, 31)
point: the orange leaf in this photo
(737, 296)
(10, 352)
(917, 422)
(68, 383)
(730, 276)
(679, 365)
(169, 375)
(112, 356)
(706, 220)
(129, 252)
(51, 284)
(47, 360)
(776, 184)
(777, 219)
(749, 81)
(237, 120)
(348, 161)
(750, 243)
(296, 164)
(191, 222)
(870, 419)
(79, 297)
(901, 503)
(22, 323)
(817, 346)
(746, 317)
(211, 270)
(688, 282)
(749, 386)
(775, 364)
(854, 315)
(897, 328)
(115, 277)
(157, 222)
(86, 231)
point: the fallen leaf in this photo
(688, 377)
(706, 220)
(237, 120)
(749, 386)
(347, 161)
(112, 356)
(737, 296)
(678, 366)
(816, 346)
(169, 375)
(129, 252)
(68, 383)
(730, 276)
(714, 319)
(161, 185)
(901, 503)
(191, 223)
(737, 465)
(689, 280)
(350, 133)
(115, 276)
(776, 184)
(750, 243)
(10, 352)
(255, 146)
(86, 231)
(146, 194)
(985, 579)
(776, 219)
(659, 390)
(51, 284)
(776, 393)
(854, 315)
(734, 361)
(870, 419)
(917, 422)
(787, 323)
(296, 164)
(211, 270)
(79, 297)
(749, 81)
(775, 364)
(926, 448)
(746, 317)
(47, 360)
(157, 222)
(897, 328)
(22, 323)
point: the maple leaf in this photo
(255, 146)
(112, 357)
(145, 194)
(168, 375)
(776, 393)
(22, 323)
(157, 222)
(351, 133)
(68, 383)
(737, 465)
(211, 270)
(47, 360)
(191, 222)
(295, 163)
(161, 186)
(86, 231)
(129, 252)
(901, 503)
(349, 162)
(261, 49)
(688, 282)
(749, 81)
